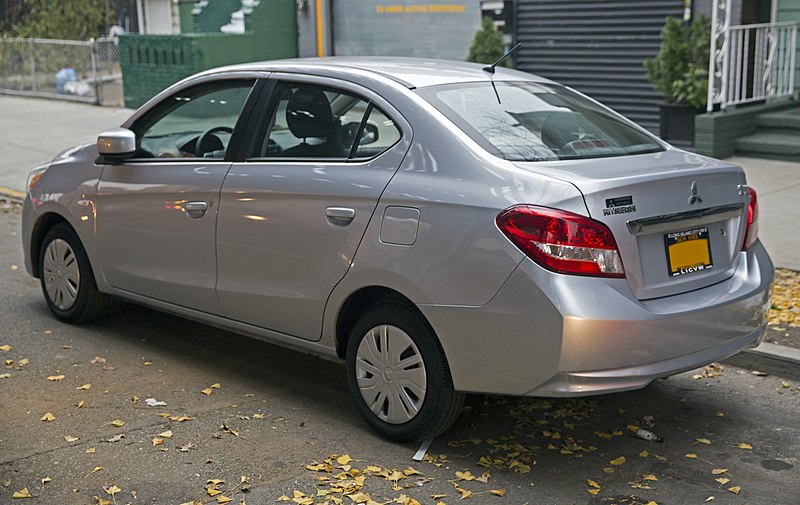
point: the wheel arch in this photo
(361, 300)
(40, 228)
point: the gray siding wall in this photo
(597, 47)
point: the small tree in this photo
(680, 69)
(487, 45)
(60, 19)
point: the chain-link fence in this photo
(68, 69)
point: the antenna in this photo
(490, 68)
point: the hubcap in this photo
(391, 374)
(61, 274)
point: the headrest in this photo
(309, 114)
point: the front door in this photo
(157, 212)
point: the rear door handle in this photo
(340, 216)
(196, 210)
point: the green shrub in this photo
(487, 45)
(680, 69)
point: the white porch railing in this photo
(750, 63)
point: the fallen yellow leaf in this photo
(722, 480)
(55, 378)
(702, 441)
(691, 456)
(80, 403)
(593, 491)
(498, 492)
(644, 453)
(23, 362)
(22, 493)
(46, 480)
(84, 387)
(5, 347)
(650, 476)
(465, 475)
(593, 483)
(113, 490)
(70, 438)
(118, 423)
(5, 375)
(735, 489)
(90, 450)
(745, 446)
(223, 499)
(344, 459)
(157, 441)
(48, 417)
(719, 471)
(166, 434)
(96, 469)
(619, 461)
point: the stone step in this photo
(771, 142)
(789, 118)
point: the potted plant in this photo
(680, 72)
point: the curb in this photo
(11, 194)
(771, 358)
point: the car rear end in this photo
(661, 273)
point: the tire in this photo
(66, 277)
(404, 393)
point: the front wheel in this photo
(66, 277)
(398, 375)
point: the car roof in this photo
(410, 72)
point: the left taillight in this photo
(751, 232)
(562, 241)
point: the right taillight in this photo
(562, 241)
(751, 232)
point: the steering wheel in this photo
(208, 141)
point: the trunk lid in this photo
(678, 218)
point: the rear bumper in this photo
(546, 334)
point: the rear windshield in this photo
(529, 121)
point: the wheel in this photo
(398, 375)
(66, 277)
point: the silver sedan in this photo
(441, 228)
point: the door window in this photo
(196, 122)
(309, 121)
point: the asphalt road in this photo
(277, 411)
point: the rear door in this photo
(294, 212)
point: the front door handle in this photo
(196, 210)
(339, 216)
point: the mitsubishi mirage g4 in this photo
(440, 228)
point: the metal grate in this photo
(597, 47)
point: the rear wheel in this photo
(66, 277)
(398, 375)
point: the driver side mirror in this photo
(116, 144)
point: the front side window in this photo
(530, 121)
(310, 121)
(196, 122)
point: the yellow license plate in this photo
(688, 251)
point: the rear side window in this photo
(528, 121)
(310, 121)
